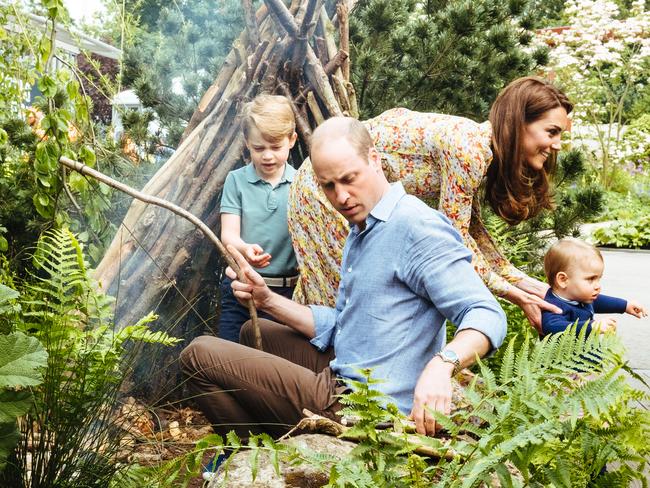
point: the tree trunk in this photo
(158, 261)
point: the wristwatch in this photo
(449, 356)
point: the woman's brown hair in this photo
(514, 190)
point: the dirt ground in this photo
(154, 436)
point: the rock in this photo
(299, 476)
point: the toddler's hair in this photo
(565, 251)
(271, 115)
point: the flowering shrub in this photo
(602, 61)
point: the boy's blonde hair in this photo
(271, 115)
(564, 252)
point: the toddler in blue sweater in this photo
(574, 269)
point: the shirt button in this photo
(350, 269)
(347, 300)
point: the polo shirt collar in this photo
(253, 177)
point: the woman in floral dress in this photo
(445, 160)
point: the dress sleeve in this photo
(503, 271)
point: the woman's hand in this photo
(533, 286)
(532, 305)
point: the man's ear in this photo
(374, 159)
(562, 279)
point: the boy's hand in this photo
(605, 325)
(256, 256)
(636, 309)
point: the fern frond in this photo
(508, 363)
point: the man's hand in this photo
(254, 287)
(432, 392)
(256, 256)
(532, 306)
(636, 309)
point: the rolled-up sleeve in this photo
(438, 266)
(324, 326)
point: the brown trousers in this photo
(242, 389)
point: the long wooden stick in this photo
(86, 170)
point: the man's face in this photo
(352, 184)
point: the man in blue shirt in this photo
(404, 271)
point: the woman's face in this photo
(542, 137)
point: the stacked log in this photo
(157, 261)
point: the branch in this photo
(344, 36)
(314, 70)
(85, 170)
(251, 23)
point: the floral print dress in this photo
(441, 159)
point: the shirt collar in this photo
(253, 177)
(385, 206)
(572, 302)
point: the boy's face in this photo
(581, 282)
(269, 157)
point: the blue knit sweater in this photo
(553, 323)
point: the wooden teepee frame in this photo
(160, 262)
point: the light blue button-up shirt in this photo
(401, 277)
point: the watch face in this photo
(449, 354)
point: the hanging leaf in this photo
(21, 359)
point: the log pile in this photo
(158, 261)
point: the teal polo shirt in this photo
(263, 212)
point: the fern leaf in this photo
(508, 363)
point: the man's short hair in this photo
(563, 253)
(271, 115)
(347, 128)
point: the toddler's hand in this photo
(605, 325)
(256, 256)
(636, 309)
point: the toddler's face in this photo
(583, 280)
(268, 157)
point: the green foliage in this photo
(37, 193)
(71, 435)
(450, 57)
(180, 45)
(637, 142)
(21, 360)
(550, 413)
(624, 206)
(602, 66)
(632, 233)
(14, 62)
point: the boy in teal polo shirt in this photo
(254, 206)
